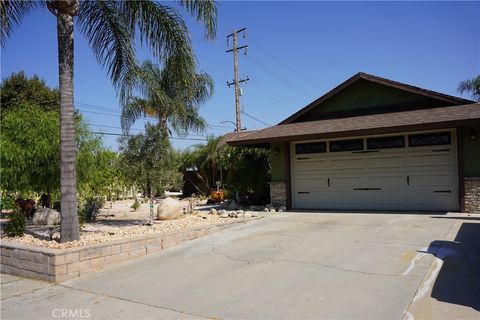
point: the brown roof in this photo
(394, 84)
(423, 119)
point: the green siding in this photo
(471, 152)
(364, 94)
(278, 162)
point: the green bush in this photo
(7, 202)
(135, 205)
(16, 224)
(90, 209)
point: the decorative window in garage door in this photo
(313, 147)
(429, 139)
(346, 145)
(386, 142)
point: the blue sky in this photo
(297, 52)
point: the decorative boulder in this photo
(282, 209)
(213, 211)
(247, 214)
(46, 216)
(266, 210)
(233, 214)
(224, 215)
(273, 210)
(254, 214)
(232, 205)
(169, 209)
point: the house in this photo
(375, 144)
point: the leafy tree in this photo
(18, 89)
(170, 96)
(30, 157)
(471, 86)
(111, 28)
(150, 161)
(248, 172)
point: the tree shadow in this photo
(458, 281)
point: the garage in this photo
(416, 171)
(375, 144)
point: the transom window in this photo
(346, 145)
(429, 139)
(386, 142)
(313, 147)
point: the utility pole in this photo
(236, 81)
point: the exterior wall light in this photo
(276, 150)
(472, 135)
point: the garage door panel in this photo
(433, 159)
(347, 182)
(387, 199)
(386, 162)
(342, 164)
(348, 199)
(432, 180)
(311, 184)
(385, 182)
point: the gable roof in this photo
(412, 120)
(379, 80)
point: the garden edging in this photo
(54, 265)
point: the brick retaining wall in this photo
(55, 265)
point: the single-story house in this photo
(375, 144)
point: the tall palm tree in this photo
(111, 28)
(472, 86)
(170, 95)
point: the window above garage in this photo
(429, 139)
(386, 142)
(346, 145)
(313, 147)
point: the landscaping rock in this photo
(254, 214)
(266, 209)
(282, 209)
(247, 214)
(232, 205)
(224, 215)
(273, 210)
(169, 209)
(240, 213)
(46, 216)
(213, 211)
(233, 214)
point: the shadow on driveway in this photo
(458, 281)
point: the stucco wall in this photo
(471, 152)
(278, 162)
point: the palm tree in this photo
(111, 28)
(212, 151)
(472, 86)
(171, 96)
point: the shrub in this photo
(16, 224)
(90, 209)
(7, 202)
(135, 205)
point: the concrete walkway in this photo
(295, 265)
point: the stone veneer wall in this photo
(278, 193)
(55, 265)
(472, 194)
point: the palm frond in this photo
(471, 86)
(12, 13)
(133, 110)
(112, 40)
(205, 11)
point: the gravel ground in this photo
(94, 233)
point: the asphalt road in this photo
(294, 265)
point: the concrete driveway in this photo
(294, 265)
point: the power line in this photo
(127, 135)
(256, 119)
(287, 66)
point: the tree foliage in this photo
(18, 89)
(150, 162)
(471, 86)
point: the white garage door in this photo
(415, 171)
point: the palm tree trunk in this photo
(69, 223)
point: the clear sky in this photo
(297, 52)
